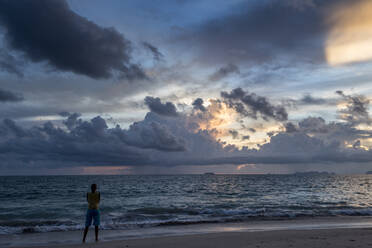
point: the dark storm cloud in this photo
(158, 140)
(155, 141)
(85, 142)
(332, 132)
(224, 72)
(154, 50)
(308, 99)
(162, 141)
(10, 63)
(300, 147)
(266, 31)
(313, 125)
(287, 148)
(88, 144)
(48, 30)
(198, 104)
(8, 96)
(64, 114)
(151, 134)
(356, 111)
(156, 106)
(290, 127)
(250, 104)
(72, 119)
(234, 133)
(11, 126)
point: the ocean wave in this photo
(352, 212)
(159, 210)
(46, 204)
(176, 217)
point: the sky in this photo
(185, 86)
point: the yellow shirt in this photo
(93, 200)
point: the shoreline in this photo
(320, 238)
(111, 238)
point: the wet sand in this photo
(317, 232)
(340, 238)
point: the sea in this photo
(37, 204)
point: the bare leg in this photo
(96, 231)
(85, 233)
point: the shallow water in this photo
(57, 203)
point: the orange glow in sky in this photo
(350, 39)
(219, 117)
(106, 170)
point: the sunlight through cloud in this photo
(350, 38)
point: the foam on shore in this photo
(74, 237)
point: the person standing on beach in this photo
(93, 199)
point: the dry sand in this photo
(339, 238)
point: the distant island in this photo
(310, 173)
(369, 172)
(209, 173)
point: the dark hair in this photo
(93, 187)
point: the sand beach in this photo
(303, 233)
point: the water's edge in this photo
(74, 237)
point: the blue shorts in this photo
(92, 214)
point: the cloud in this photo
(10, 125)
(151, 134)
(8, 96)
(217, 115)
(308, 99)
(234, 133)
(250, 104)
(357, 144)
(10, 63)
(72, 119)
(84, 142)
(224, 72)
(349, 39)
(285, 33)
(154, 50)
(290, 127)
(198, 104)
(161, 141)
(264, 32)
(301, 4)
(156, 106)
(297, 144)
(356, 110)
(49, 31)
(313, 125)
(344, 133)
(158, 140)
